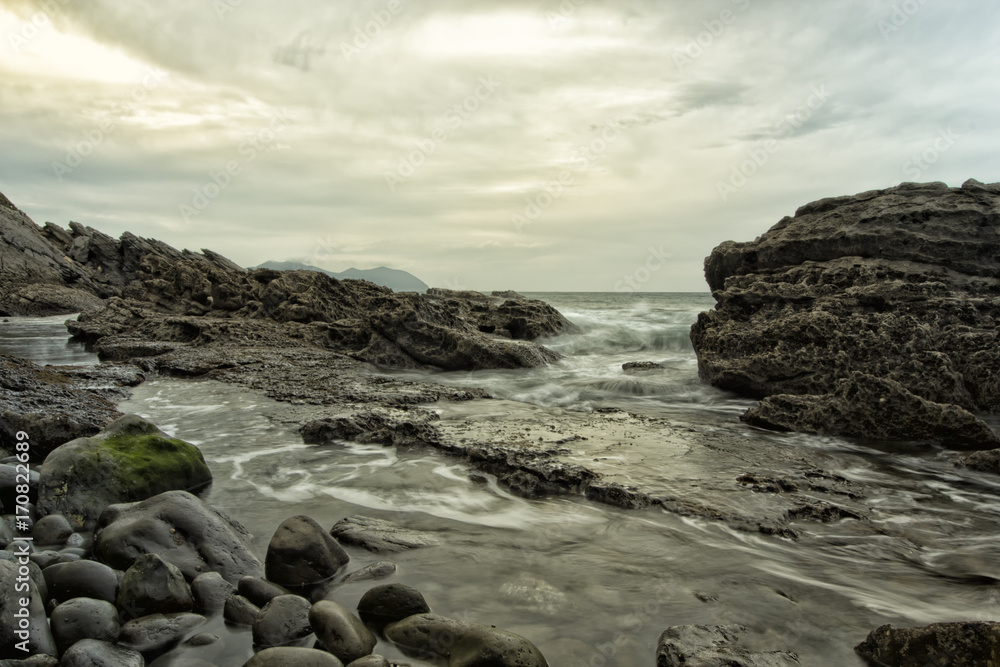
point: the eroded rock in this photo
(973, 644)
(899, 285)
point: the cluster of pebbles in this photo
(109, 599)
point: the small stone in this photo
(426, 634)
(390, 603)
(301, 554)
(210, 592)
(153, 585)
(341, 632)
(483, 645)
(289, 656)
(202, 639)
(240, 611)
(379, 570)
(94, 653)
(463, 644)
(158, 632)
(282, 621)
(44, 558)
(84, 618)
(52, 530)
(259, 591)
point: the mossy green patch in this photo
(145, 462)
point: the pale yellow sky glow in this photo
(54, 55)
(509, 144)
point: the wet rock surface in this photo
(158, 298)
(699, 645)
(155, 633)
(130, 460)
(381, 536)
(389, 603)
(974, 644)
(283, 620)
(85, 579)
(463, 644)
(183, 530)
(240, 611)
(210, 592)
(342, 633)
(84, 618)
(91, 652)
(873, 315)
(293, 657)
(152, 585)
(35, 634)
(56, 404)
(301, 554)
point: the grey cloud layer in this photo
(697, 88)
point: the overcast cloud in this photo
(581, 146)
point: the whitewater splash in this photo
(615, 329)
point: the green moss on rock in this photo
(129, 461)
(141, 459)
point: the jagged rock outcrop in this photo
(52, 270)
(35, 278)
(159, 296)
(353, 318)
(874, 315)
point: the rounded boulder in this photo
(389, 603)
(301, 554)
(282, 621)
(341, 632)
(154, 586)
(288, 656)
(84, 618)
(130, 460)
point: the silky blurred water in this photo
(592, 584)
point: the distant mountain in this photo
(394, 279)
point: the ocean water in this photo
(616, 328)
(594, 585)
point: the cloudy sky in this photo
(571, 145)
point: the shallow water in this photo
(610, 579)
(43, 340)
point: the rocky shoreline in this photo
(114, 497)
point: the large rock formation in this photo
(35, 278)
(55, 270)
(176, 303)
(874, 315)
(51, 270)
(153, 286)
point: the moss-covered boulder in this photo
(130, 460)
